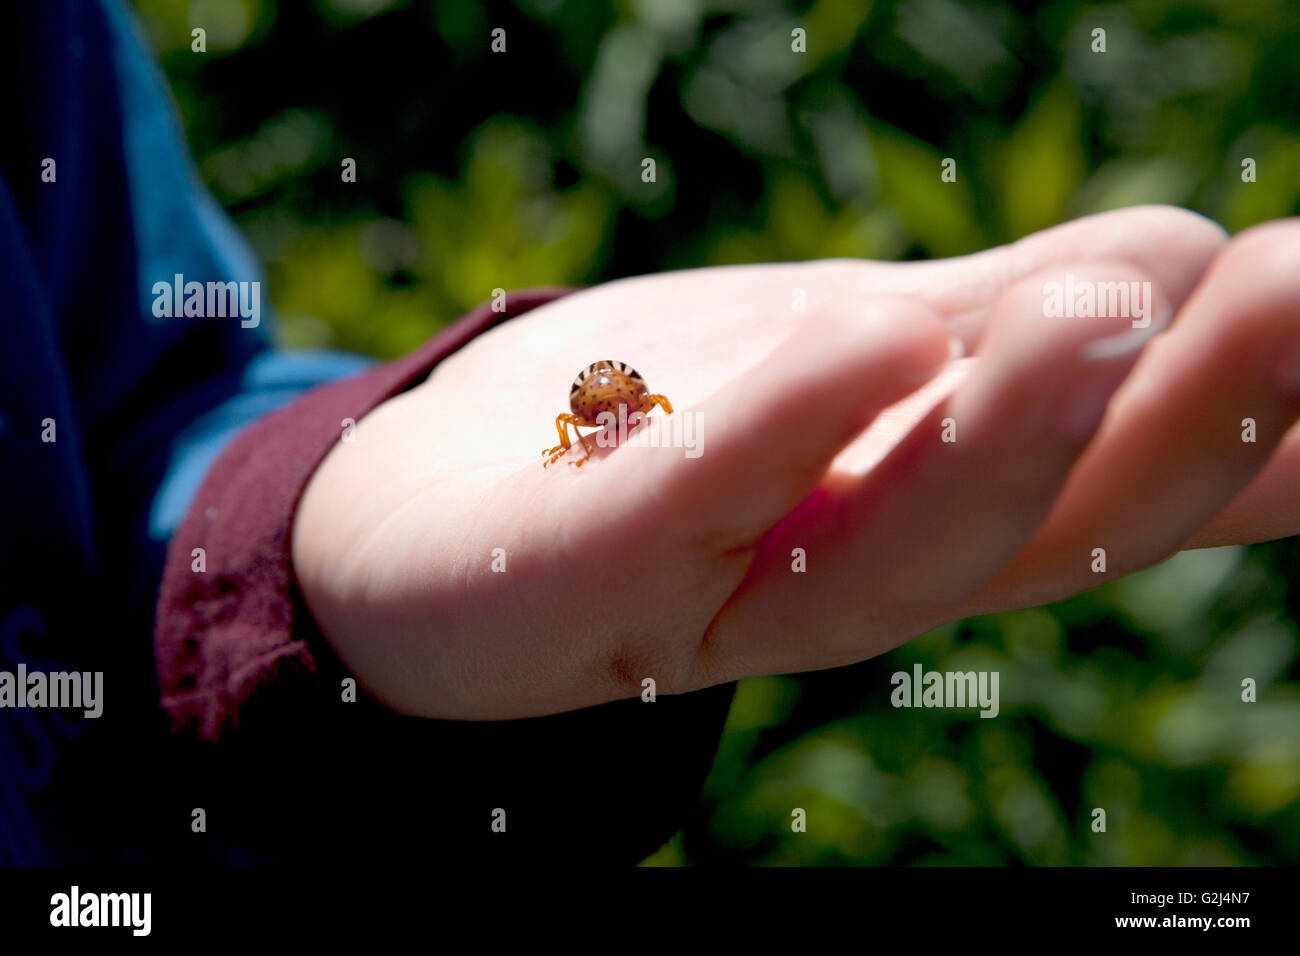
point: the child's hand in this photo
(651, 563)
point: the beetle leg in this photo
(662, 402)
(562, 423)
(562, 427)
(582, 439)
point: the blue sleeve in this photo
(165, 193)
(115, 398)
(270, 380)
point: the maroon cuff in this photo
(234, 633)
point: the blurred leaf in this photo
(940, 215)
(1041, 164)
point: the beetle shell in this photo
(604, 386)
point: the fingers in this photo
(1176, 447)
(1266, 510)
(890, 554)
(1172, 246)
(767, 438)
(1035, 396)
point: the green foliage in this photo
(478, 171)
(1125, 698)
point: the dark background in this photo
(478, 170)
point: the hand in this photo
(647, 562)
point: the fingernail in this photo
(1105, 364)
(1130, 341)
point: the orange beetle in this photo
(602, 387)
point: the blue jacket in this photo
(109, 415)
(111, 412)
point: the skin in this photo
(821, 430)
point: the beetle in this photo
(602, 387)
